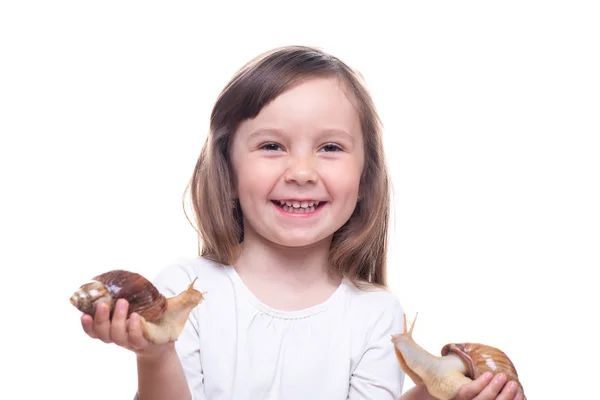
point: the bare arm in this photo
(162, 378)
(160, 373)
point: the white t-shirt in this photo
(235, 347)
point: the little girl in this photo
(291, 201)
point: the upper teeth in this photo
(298, 204)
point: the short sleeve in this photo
(378, 375)
(170, 282)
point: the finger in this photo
(509, 391)
(472, 389)
(493, 388)
(87, 323)
(102, 322)
(136, 336)
(118, 323)
(519, 396)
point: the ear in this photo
(361, 189)
(233, 192)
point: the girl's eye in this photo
(270, 147)
(329, 147)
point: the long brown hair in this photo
(359, 248)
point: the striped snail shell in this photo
(108, 287)
(480, 358)
(459, 364)
(162, 318)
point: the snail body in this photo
(162, 318)
(459, 364)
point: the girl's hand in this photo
(121, 331)
(486, 388)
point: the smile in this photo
(299, 206)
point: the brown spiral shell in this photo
(141, 294)
(480, 358)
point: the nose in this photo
(301, 171)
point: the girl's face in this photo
(298, 164)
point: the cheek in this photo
(344, 177)
(342, 185)
(256, 178)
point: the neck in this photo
(292, 267)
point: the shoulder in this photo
(378, 309)
(176, 276)
(376, 315)
(375, 300)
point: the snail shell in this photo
(162, 318)
(480, 358)
(459, 364)
(141, 294)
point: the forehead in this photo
(313, 104)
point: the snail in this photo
(459, 364)
(162, 319)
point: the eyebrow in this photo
(279, 132)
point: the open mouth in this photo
(299, 207)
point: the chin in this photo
(300, 241)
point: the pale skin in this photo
(314, 152)
(305, 145)
(485, 387)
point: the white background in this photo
(491, 113)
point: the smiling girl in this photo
(291, 202)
